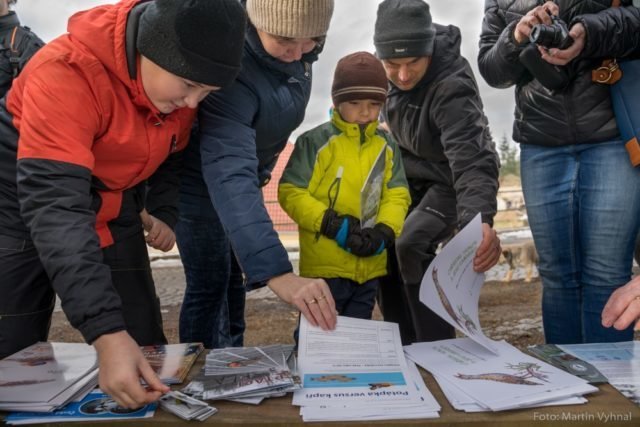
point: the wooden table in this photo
(606, 405)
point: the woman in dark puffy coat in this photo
(579, 185)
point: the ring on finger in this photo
(312, 301)
(321, 298)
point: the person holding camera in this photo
(579, 186)
(613, 32)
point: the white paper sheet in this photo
(451, 288)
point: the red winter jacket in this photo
(88, 141)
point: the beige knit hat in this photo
(291, 18)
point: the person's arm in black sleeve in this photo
(498, 56)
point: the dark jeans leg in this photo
(235, 303)
(132, 279)
(26, 296)
(204, 249)
(356, 300)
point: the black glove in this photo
(370, 241)
(339, 227)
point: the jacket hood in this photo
(102, 31)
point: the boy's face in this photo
(286, 49)
(168, 92)
(405, 73)
(360, 111)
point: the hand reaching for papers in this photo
(159, 235)
(623, 307)
(489, 250)
(311, 296)
(121, 365)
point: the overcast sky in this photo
(351, 30)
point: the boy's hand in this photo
(121, 365)
(339, 227)
(371, 241)
(159, 235)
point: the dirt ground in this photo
(508, 311)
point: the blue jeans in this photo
(583, 203)
(213, 306)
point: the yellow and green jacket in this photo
(334, 149)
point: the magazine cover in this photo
(371, 192)
(172, 362)
(43, 370)
(95, 406)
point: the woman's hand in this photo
(311, 296)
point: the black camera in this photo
(554, 35)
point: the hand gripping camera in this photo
(555, 35)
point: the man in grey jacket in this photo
(435, 113)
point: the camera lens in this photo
(543, 35)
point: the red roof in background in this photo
(280, 219)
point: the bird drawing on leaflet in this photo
(460, 317)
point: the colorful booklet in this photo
(172, 362)
(95, 406)
(371, 192)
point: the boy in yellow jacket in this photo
(346, 189)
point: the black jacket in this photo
(614, 32)
(17, 44)
(443, 133)
(581, 113)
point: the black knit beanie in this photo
(403, 29)
(359, 76)
(199, 40)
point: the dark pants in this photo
(28, 299)
(432, 220)
(213, 306)
(354, 299)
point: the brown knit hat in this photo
(291, 18)
(359, 76)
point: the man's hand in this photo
(489, 250)
(121, 365)
(537, 15)
(159, 235)
(311, 296)
(562, 57)
(623, 307)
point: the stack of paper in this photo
(172, 362)
(46, 376)
(477, 373)
(94, 406)
(186, 407)
(619, 362)
(244, 374)
(474, 379)
(358, 372)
